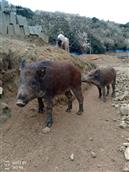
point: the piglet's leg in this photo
(104, 95)
(49, 121)
(100, 94)
(113, 88)
(108, 87)
(41, 105)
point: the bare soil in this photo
(25, 148)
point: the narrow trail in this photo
(95, 131)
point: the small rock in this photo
(114, 120)
(46, 130)
(124, 109)
(126, 144)
(93, 154)
(126, 153)
(123, 124)
(10, 88)
(126, 167)
(91, 139)
(56, 168)
(98, 165)
(4, 106)
(116, 105)
(3, 118)
(125, 95)
(122, 148)
(113, 104)
(72, 157)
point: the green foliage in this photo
(97, 46)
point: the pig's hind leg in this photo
(69, 96)
(113, 87)
(78, 94)
(108, 87)
(100, 93)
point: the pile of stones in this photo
(121, 101)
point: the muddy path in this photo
(95, 131)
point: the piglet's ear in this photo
(41, 72)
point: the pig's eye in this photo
(34, 83)
(96, 76)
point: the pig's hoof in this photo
(68, 110)
(41, 110)
(49, 124)
(79, 113)
(46, 130)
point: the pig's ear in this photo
(41, 72)
(22, 64)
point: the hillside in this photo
(85, 34)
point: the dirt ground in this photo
(26, 149)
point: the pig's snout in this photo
(20, 103)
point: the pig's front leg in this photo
(49, 121)
(40, 105)
(99, 89)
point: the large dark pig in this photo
(46, 79)
(102, 78)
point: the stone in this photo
(122, 148)
(124, 109)
(72, 157)
(93, 154)
(115, 120)
(126, 167)
(123, 124)
(126, 153)
(3, 118)
(4, 106)
(46, 130)
(91, 139)
(126, 144)
(124, 96)
(116, 105)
